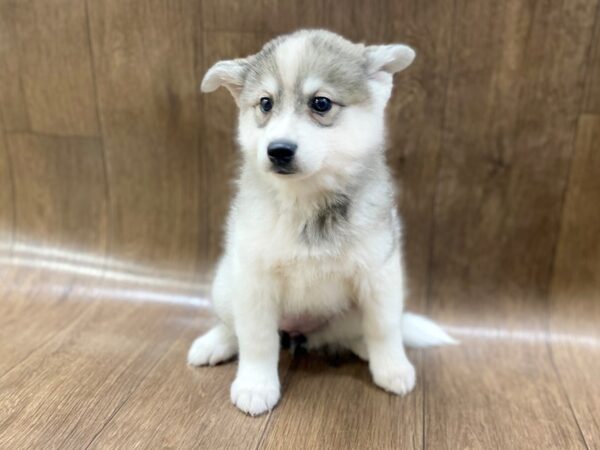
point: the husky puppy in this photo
(313, 241)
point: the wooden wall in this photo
(107, 147)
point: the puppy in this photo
(313, 241)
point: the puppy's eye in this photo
(266, 104)
(320, 104)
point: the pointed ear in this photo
(389, 58)
(225, 73)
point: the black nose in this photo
(281, 153)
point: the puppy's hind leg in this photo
(342, 332)
(220, 343)
(216, 346)
(381, 297)
(358, 346)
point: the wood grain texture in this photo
(13, 105)
(415, 118)
(36, 308)
(200, 396)
(72, 370)
(113, 374)
(59, 187)
(54, 64)
(576, 361)
(259, 17)
(577, 267)
(493, 392)
(498, 204)
(575, 294)
(591, 102)
(144, 57)
(105, 364)
(6, 197)
(506, 156)
(326, 407)
(363, 20)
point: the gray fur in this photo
(341, 64)
(329, 221)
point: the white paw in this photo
(255, 396)
(212, 348)
(397, 377)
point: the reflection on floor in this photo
(99, 361)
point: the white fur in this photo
(311, 85)
(268, 272)
(391, 58)
(420, 332)
(288, 61)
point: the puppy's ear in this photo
(389, 58)
(229, 74)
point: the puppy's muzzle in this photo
(281, 154)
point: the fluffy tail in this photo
(418, 331)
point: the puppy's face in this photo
(311, 103)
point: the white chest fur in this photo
(316, 286)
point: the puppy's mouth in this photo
(284, 170)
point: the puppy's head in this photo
(311, 103)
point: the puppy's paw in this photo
(397, 377)
(253, 395)
(212, 348)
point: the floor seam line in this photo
(565, 394)
(285, 380)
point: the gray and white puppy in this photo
(313, 241)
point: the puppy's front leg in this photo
(256, 386)
(381, 299)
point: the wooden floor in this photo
(100, 363)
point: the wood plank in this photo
(415, 118)
(325, 407)
(6, 198)
(144, 55)
(13, 105)
(591, 101)
(45, 290)
(61, 214)
(358, 21)
(205, 416)
(577, 360)
(259, 17)
(43, 298)
(496, 391)
(79, 380)
(577, 267)
(54, 66)
(354, 22)
(498, 203)
(505, 161)
(575, 306)
(59, 192)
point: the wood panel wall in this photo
(106, 145)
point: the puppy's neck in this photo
(306, 197)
